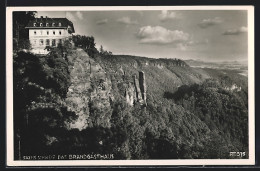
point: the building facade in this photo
(48, 32)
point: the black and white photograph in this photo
(159, 85)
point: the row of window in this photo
(46, 24)
(48, 42)
(47, 32)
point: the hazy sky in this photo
(207, 35)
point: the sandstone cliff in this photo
(89, 91)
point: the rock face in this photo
(137, 89)
(88, 93)
(130, 95)
(78, 95)
(91, 95)
(136, 93)
(142, 86)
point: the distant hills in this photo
(240, 66)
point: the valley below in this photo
(131, 107)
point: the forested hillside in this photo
(87, 102)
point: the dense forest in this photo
(77, 104)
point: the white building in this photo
(48, 32)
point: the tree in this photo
(101, 50)
(21, 34)
(40, 86)
(23, 44)
(104, 52)
(85, 42)
(20, 21)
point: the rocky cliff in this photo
(142, 86)
(95, 83)
(136, 92)
(89, 91)
(164, 97)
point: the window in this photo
(59, 41)
(47, 24)
(41, 41)
(34, 42)
(47, 32)
(60, 32)
(34, 24)
(40, 24)
(47, 42)
(34, 32)
(53, 32)
(59, 24)
(69, 30)
(53, 24)
(53, 42)
(41, 32)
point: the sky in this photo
(209, 35)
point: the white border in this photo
(9, 95)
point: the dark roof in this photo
(63, 21)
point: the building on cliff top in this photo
(48, 32)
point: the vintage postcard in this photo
(130, 86)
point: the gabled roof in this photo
(58, 23)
